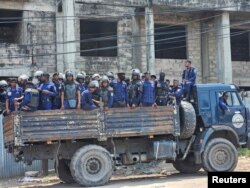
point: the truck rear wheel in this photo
(187, 166)
(63, 171)
(91, 165)
(220, 155)
(187, 120)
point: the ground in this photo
(133, 177)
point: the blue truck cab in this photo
(219, 132)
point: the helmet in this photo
(45, 74)
(69, 73)
(83, 73)
(61, 76)
(96, 83)
(110, 75)
(3, 83)
(96, 75)
(29, 83)
(147, 72)
(79, 76)
(136, 72)
(104, 79)
(92, 85)
(23, 77)
(38, 73)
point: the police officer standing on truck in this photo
(47, 91)
(148, 91)
(70, 93)
(120, 90)
(188, 79)
(161, 90)
(30, 100)
(13, 94)
(135, 89)
(87, 97)
(3, 88)
(106, 93)
(176, 91)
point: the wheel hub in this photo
(93, 166)
(220, 157)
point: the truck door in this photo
(236, 117)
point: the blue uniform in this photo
(190, 76)
(87, 103)
(120, 93)
(148, 94)
(57, 99)
(176, 92)
(11, 94)
(46, 99)
(223, 104)
(82, 87)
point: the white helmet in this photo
(96, 75)
(38, 73)
(83, 73)
(96, 83)
(3, 83)
(61, 76)
(23, 77)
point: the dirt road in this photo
(171, 179)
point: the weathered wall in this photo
(123, 61)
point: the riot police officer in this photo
(80, 79)
(37, 78)
(22, 80)
(47, 91)
(161, 90)
(148, 91)
(57, 99)
(120, 90)
(30, 100)
(177, 92)
(13, 94)
(111, 76)
(70, 93)
(106, 93)
(135, 89)
(87, 97)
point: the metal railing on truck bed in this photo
(40, 126)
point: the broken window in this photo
(239, 45)
(10, 25)
(98, 38)
(170, 42)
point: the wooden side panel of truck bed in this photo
(55, 125)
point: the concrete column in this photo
(69, 35)
(136, 42)
(150, 39)
(205, 53)
(223, 57)
(59, 42)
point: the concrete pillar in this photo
(59, 42)
(223, 57)
(136, 40)
(150, 39)
(205, 53)
(69, 35)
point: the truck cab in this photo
(219, 130)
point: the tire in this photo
(187, 120)
(91, 165)
(187, 166)
(220, 155)
(63, 171)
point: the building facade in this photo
(119, 35)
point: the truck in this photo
(88, 145)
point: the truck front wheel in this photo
(91, 165)
(63, 171)
(220, 155)
(187, 166)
